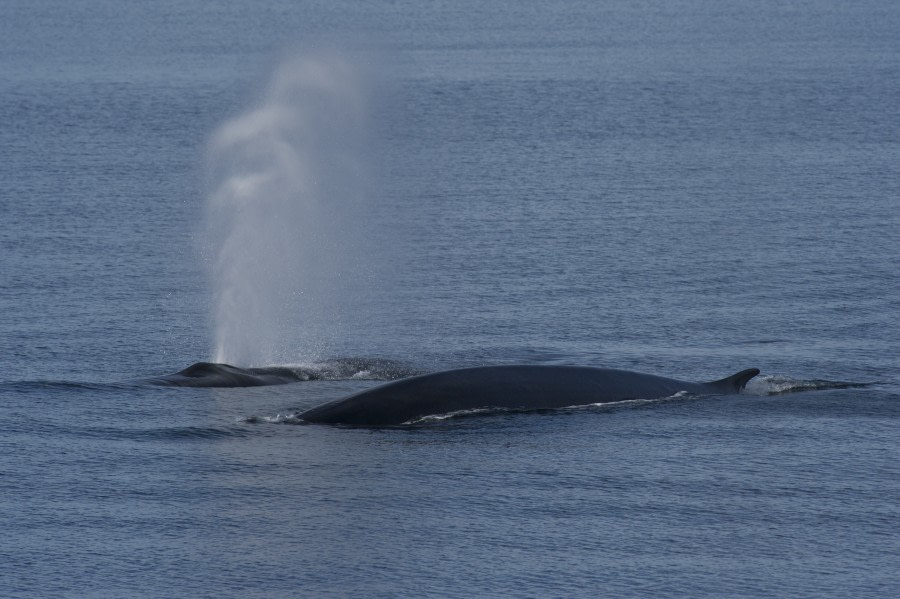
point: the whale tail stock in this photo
(735, 382)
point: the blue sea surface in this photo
(684, 188)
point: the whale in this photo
(214, 374)
(211, 374)
(511, 387)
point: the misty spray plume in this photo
(286, 186)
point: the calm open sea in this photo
(686, 188)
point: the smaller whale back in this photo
(210, 374)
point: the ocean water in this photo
(684, 188)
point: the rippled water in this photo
(685, 189)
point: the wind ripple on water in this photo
(175, 433)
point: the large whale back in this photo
(510, 387)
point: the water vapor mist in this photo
(286, 185)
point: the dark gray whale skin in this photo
(510, 387)
(209, 374)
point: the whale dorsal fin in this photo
(735, 382)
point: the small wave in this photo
(358, 368)
(631, 403)
(342, 369)
(289, 418)
(766, 341)
(295, 417)
(779, 385)
(611, 405)
(432, 418)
